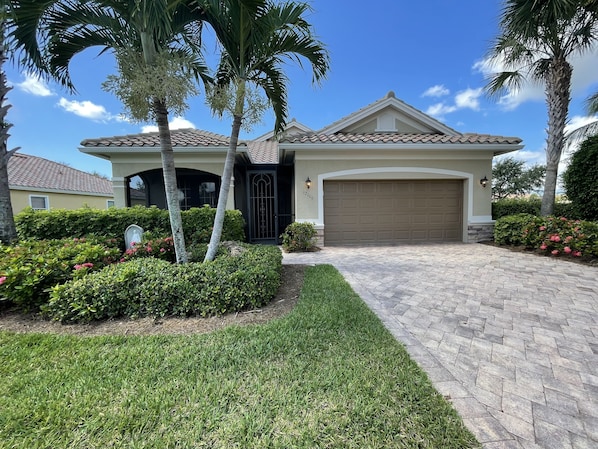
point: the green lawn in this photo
(327, 376)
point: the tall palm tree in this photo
(26, 54)
(8, 231)
(256, 38)
(537, 41)
(149, 38)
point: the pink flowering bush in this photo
(30, 268)
(554, 236)
(562, 237)
(160, 248)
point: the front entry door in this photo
(263, 207)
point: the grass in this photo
(328, 375)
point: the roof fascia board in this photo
(405, 146)
(155, 149)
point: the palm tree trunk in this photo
(558, 88)
(170, 183)
(8, 231)
(227, 176)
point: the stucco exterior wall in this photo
(57, 200)
(319, 166)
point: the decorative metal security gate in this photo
(263, 209)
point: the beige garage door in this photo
(387, 212)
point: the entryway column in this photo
(230, 201)
(119, 188)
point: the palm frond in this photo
(592, 104)
(580, 134)
(501, 82)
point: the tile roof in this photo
(187, 137)
(265, 152)
(478, 139)
(35, 172)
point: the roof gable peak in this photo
(389, 114)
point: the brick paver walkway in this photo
(510, 338)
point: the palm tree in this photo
(156, 39)
(256, 38)
(26, 53)
(8, 231)
(537, 41)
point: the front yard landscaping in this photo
(327, 375)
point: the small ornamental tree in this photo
(510, 178)
(581, 179)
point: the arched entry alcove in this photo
(196, 188)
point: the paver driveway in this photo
(510, 338)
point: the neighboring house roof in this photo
(26, 172)
(187, 137)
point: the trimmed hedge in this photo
(514, 229)
(513, 206)
(60, 223)
(156, 288)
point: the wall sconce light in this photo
(308, 182)
(484, 181)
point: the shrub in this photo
(197, 224)
(299, 237)
(59, 223)
(31, 267)
(581, 179)
(513, 206)
(160, 248)
(556, 236)
(156, 288)
(576, 238)
(513, 229)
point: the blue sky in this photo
(431, 54)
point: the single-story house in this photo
(43, 184)
(385, 174)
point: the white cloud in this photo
(465, 99)
(469, 99)
(34, 86)
(175, 123)
(86, 109)
(584, 75)
(436, 91)
(440, 110)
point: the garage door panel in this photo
(386, 212)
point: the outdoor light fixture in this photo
(308, 182)
(484, 181)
